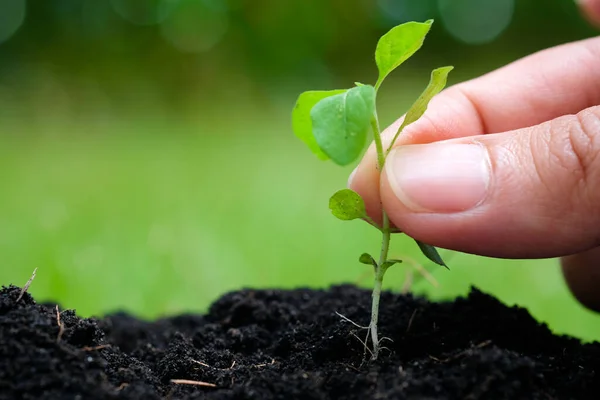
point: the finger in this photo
(538, 88)
(591, 10)
(582, 273)
(528, 193)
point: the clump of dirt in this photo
(291, 344)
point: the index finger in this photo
(591, 10)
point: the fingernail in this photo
(439, 177)
(351, 177)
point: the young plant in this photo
(335, 124)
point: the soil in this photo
(291, 344)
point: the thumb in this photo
(527, 193)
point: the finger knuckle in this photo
(566, 161)
(582, 155)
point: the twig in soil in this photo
(190, 382)
(26, 287)
(265, 364)
(461, 353)
(411, 319)
(209, 366)
(61, 326)
(200, 363)
(123, 386)
(352, 322)
(95, 348)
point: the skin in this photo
(506, 165)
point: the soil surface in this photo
(269, 344)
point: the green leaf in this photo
(340, 123)
(398, 45)
(431, 253)
(437, 82)
(301, 122)
(366, 258)
(347, 205)
(389, 263)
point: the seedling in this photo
(335, 124)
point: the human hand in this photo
(506, 165)
(591, 10)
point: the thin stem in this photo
(379, 273)
(402, 126)
(378, 143)
(385, 246)
(385, 240)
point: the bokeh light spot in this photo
(476, 21)
(195, 26)
(12, 15)
(144, 12)
(401, 11)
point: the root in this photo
(364, 343)
(386, 338)
(352, 322)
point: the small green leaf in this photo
(347, 205)
(367, 259)
(301, 122)
(389, 263)
(340, 123)
(431, 253)
(398, 45)
(437, 82)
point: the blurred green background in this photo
(147, 161)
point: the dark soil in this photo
(263, 344)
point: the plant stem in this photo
(378, 143)
(379, 273)
(385, 246)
